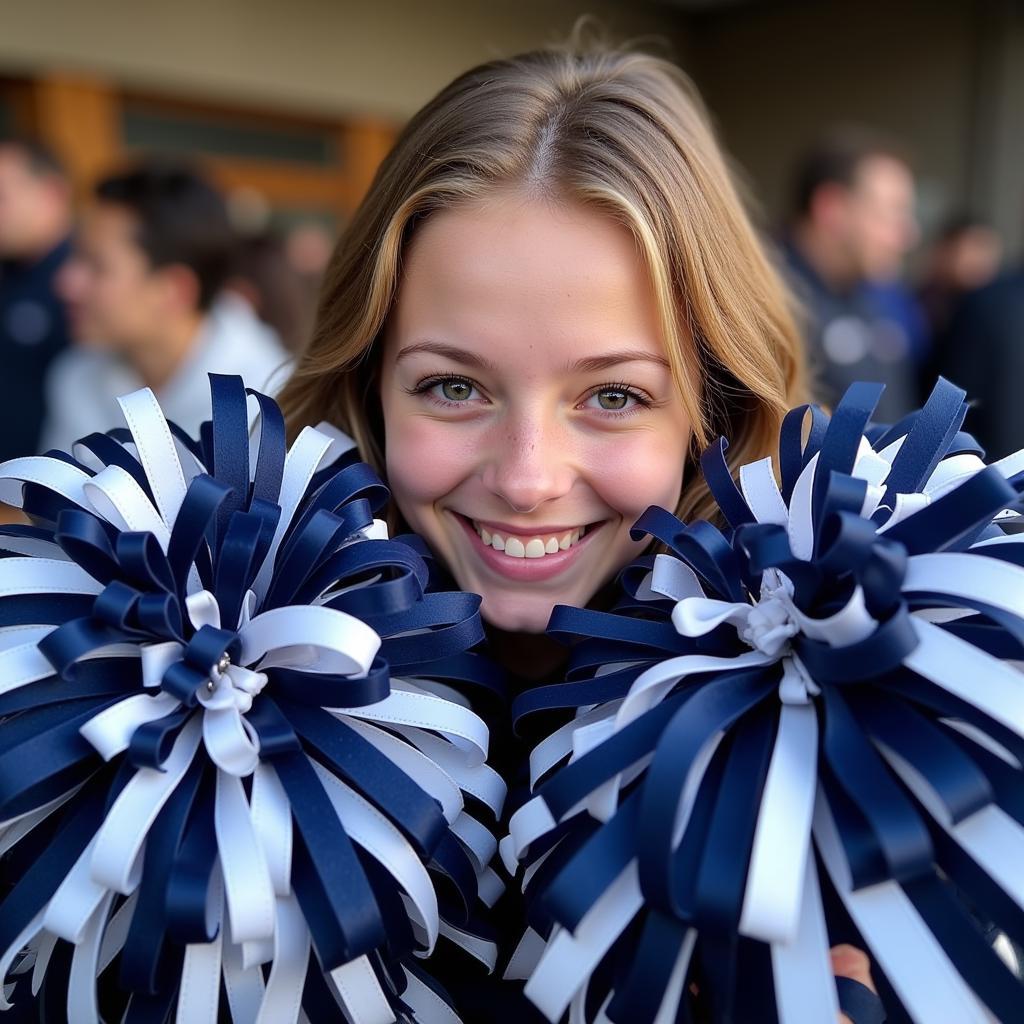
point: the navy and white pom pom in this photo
(236, 733)
(804, 729)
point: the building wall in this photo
(997, 186)
(325, 56)
(945, 77)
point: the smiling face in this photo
(530, 414)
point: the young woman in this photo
(550, 300)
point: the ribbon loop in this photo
(191, 654)
(839, 690)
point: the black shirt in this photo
(33, 329)
(984, 353)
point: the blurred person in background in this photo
(965, 255)
(898, 308)
(35, 221)
(853, 224)
(143, 289)
(308, 247)
(983, 351)
(264, 278)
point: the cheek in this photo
(115, 298)
(106, 295)
(638, 472)
(423, 462)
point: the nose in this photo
(529, 462)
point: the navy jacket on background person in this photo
(33, 329)
(983, 352)
(853, 336)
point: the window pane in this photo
(284, 219)
(148, 127)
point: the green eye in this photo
(447, 391)
(612, 400)
(617, 398)
(455, 390)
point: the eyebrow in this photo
(453, 352)
(589, 364)
(594, 363)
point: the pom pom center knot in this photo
(231, 686)
(771, 622)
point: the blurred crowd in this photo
(151, 283)
(867, 317)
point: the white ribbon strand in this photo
(775, 882)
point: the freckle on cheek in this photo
(422, 465)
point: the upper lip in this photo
(531, 530)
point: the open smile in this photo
(527, 556)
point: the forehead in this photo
(14, 165)
(109, 224)
(524, 273)
(883, 175)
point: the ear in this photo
(179, 288)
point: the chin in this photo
(517, 614)
(91, 337)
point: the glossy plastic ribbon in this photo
(841, 688)
(201, 640)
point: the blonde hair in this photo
(622, 131)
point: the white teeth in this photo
(532, 547)
(515, 547)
